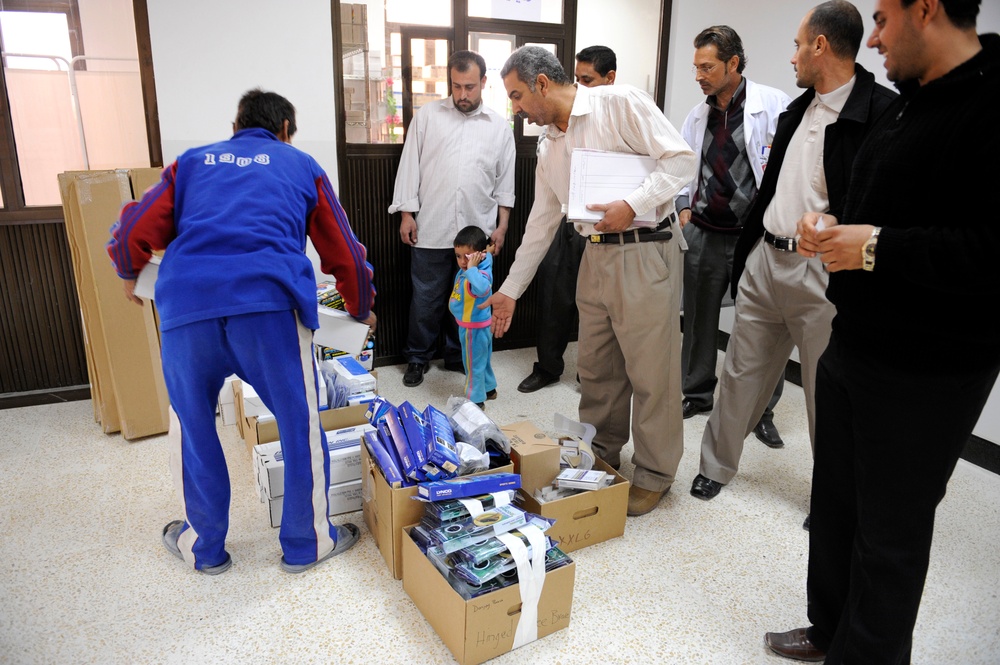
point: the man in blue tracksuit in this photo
(236, 294)
(473, 286)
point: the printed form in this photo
(598, 176)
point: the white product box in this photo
(345, 461)
(350, 372)
(344, 498)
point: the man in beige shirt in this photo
(629, 286)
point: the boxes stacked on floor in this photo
(344, 445)
(501, 582)
(584, 517)
(410, 448)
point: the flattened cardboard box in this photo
(127, 378)
(482, 628)
(387, 510)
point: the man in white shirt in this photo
(781, 296)
(595, 65)
(731, 133)
(628, 290)
(457, 170)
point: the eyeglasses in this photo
(704, 69)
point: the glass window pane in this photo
(423, 12)
(495, 49)
(73, 113)
(429, 59)
(539, 11)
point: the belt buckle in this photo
(784, 244)
(596, 238)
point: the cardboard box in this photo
(227, 401)
(264, 430)
(534, 454)
(586, 518)
(388, 510)
(121, 338)
(344, 498)
(482, 628)
(269, 465)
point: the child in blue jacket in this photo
(473, 285)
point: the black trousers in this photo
(558, 317)
(888, 436)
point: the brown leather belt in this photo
(660, 233)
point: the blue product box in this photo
(410, 467)
(383, 459)
(466, 486)
(385, 438)
(416, 432)
(377, 409)
(441, 448)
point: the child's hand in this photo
(475, 258)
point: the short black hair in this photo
(727, 43)
(267, 110)
(840, 22)
(601, 58)
(962, 13)
(472, 236)
(462, 60)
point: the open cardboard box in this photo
(482, 628)
(264, 430)
(586, 518)
(387, 510)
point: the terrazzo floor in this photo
(84, 578)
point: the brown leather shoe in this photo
(794, 644)
(642, 501)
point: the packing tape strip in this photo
(531, 579)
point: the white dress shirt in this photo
(454, 172)
(802, 181)
(619, 118)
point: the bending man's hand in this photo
(503, 312)
(618, 216)
(129, 286)
(370, 321)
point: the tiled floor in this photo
(84, 578)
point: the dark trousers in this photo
(708, 270)
(558, 318)
(887, 441)
(432, 272)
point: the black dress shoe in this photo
(794, 644)
(537, 380)
(805, 525)
(455, 366)
(689, 408)
(705, 488)
(414, 375)
(767, 433)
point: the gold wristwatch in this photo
(868, 250)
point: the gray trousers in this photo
(629, 355)
(780, 304)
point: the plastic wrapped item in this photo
(473, 426)
(471, 459)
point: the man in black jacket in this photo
(914, 351)
(781, 296)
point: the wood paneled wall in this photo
(41, 338)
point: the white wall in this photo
(630, 29)
(207, 54)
